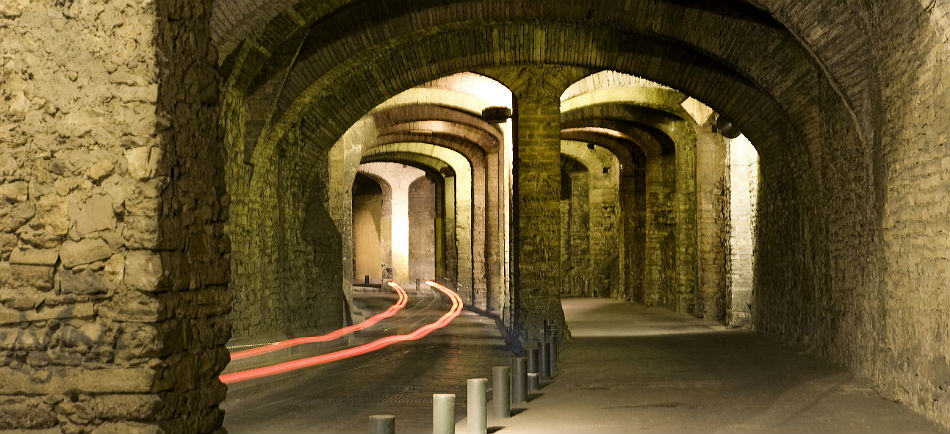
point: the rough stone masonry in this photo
(113, 267)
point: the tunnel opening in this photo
(368, 205)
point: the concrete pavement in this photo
(631, 369)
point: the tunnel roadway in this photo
(628, 368)
(338, 397)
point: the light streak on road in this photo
(378, 344)
(401, 303)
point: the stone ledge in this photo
(56, 380)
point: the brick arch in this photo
(807, 23)
(463, 172)
(315, 85)
(605, 274)
(459, 139)
(667, 136)
(471, 125)
(633, 192)
(442, 174)
(386, 196)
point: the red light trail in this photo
(401, 303)
(378, 344)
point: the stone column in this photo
(536, 195)
(113, 262)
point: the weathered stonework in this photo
(536, 276)
(113, 259)
(106, 158)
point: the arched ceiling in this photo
(736, 58)
(833, 31)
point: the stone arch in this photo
(671, 250)
(828, 108)
(606, 237)
(368, 252)
(463, 205)
(633, 196)
(443, 175)
(480, 148)
(383, 178)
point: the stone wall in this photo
(575, 228)
(287, 277)
(913, 363)
(113, 263)
(852, 222)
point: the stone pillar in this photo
(113, 262)
(633, 204)
(344, 159)
(536, 195)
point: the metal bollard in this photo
(417, 284)
(544, 360)
(519, 380)
(382, 424)
(477, 415)
(443, 413)
(555, 353)
(534, 384)
(501, 391)
(532, 360)
(547, 329)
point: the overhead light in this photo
(496, 114)
(726, 128)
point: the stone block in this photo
(8, 337)
(52, 212)
(32, 339)
(25, 413)
(126, 427)
(14, 192)
(96, 215)
(12, 9)
(125, 406)
(38, 237)
(143, 206)
(7, 244)
(79, 123)
(113, 239)
(12, 217)
(21, 298)
(141, 232)
(146, 94)
(35, 276)
(136, 341)
(86, 336)
(34, 256)
(65, 311)
(84, 252)
(143, 161)
(143, 270)
(54, 380)
(4, 274)
(85, 282)
(134, 308)
(100, 169)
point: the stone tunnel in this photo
(181, 177)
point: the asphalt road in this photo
(340, 396)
